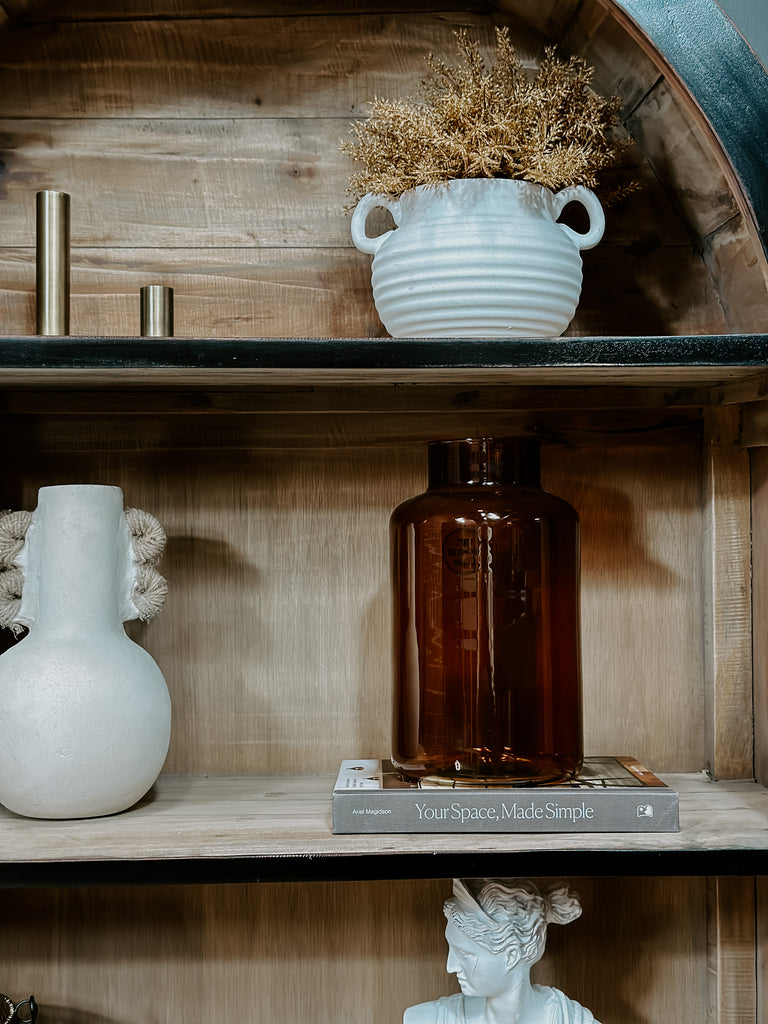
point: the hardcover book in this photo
(610, 794)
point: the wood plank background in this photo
(759, 465)
(200, 149)
(639, 952)
(278, 564)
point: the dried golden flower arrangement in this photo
(471, 122)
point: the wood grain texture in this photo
(549, 17)
(748, 391)
(732, 103)
(759, 464)
(278, 562)
(621, 66)
(729, 255)
(252, 68)
(695, 381)
(732, 953)
(641, 519)
(155, 129)
(245, 293)
(192, 183)
(727, 603)
(285, 952)
(207, 182)
(94, 10)
(681, 147)
(34, 436)
(318, 291)
(700, 185)
(280, 816)
(658, 924)
(640, 413)
(761, 887)
(201, 153)
(299, 952)
(683, 159)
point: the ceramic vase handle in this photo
(590, 202)
(368, 203)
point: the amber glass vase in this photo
(486, 620)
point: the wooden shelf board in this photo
(676, 362)
(279, 827)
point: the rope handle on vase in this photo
(13, 532)
(148, 540)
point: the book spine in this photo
(641, 810)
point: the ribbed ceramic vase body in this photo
(477, 258)
(486, 620)
(84, 711)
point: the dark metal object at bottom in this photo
(24, 1012)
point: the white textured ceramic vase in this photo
(478, 258)
(84, 711)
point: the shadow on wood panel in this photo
(336, 953)
(72, 1015)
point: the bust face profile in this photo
(496, 930)
(478, 971)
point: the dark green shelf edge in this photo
(384, 867)
(114, 354)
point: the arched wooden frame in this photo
(721, 86)
(703, 49)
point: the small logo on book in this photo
(644, 811)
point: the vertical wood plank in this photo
(759, 460)
(762, 948)
(729, 256)
(638, 953)
(731, 951)
(727, 611)
(641, 596)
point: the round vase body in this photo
(477, 258)
(487, 668)
(85, 711)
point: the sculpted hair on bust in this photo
(510, 915)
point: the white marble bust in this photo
(496, 931)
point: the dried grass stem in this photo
(468, 121)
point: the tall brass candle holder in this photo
(52, 264)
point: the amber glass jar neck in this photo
(484, 461)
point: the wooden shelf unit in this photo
(273, 438)
(652, 424)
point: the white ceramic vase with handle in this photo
(84, 711)
(478, 258)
